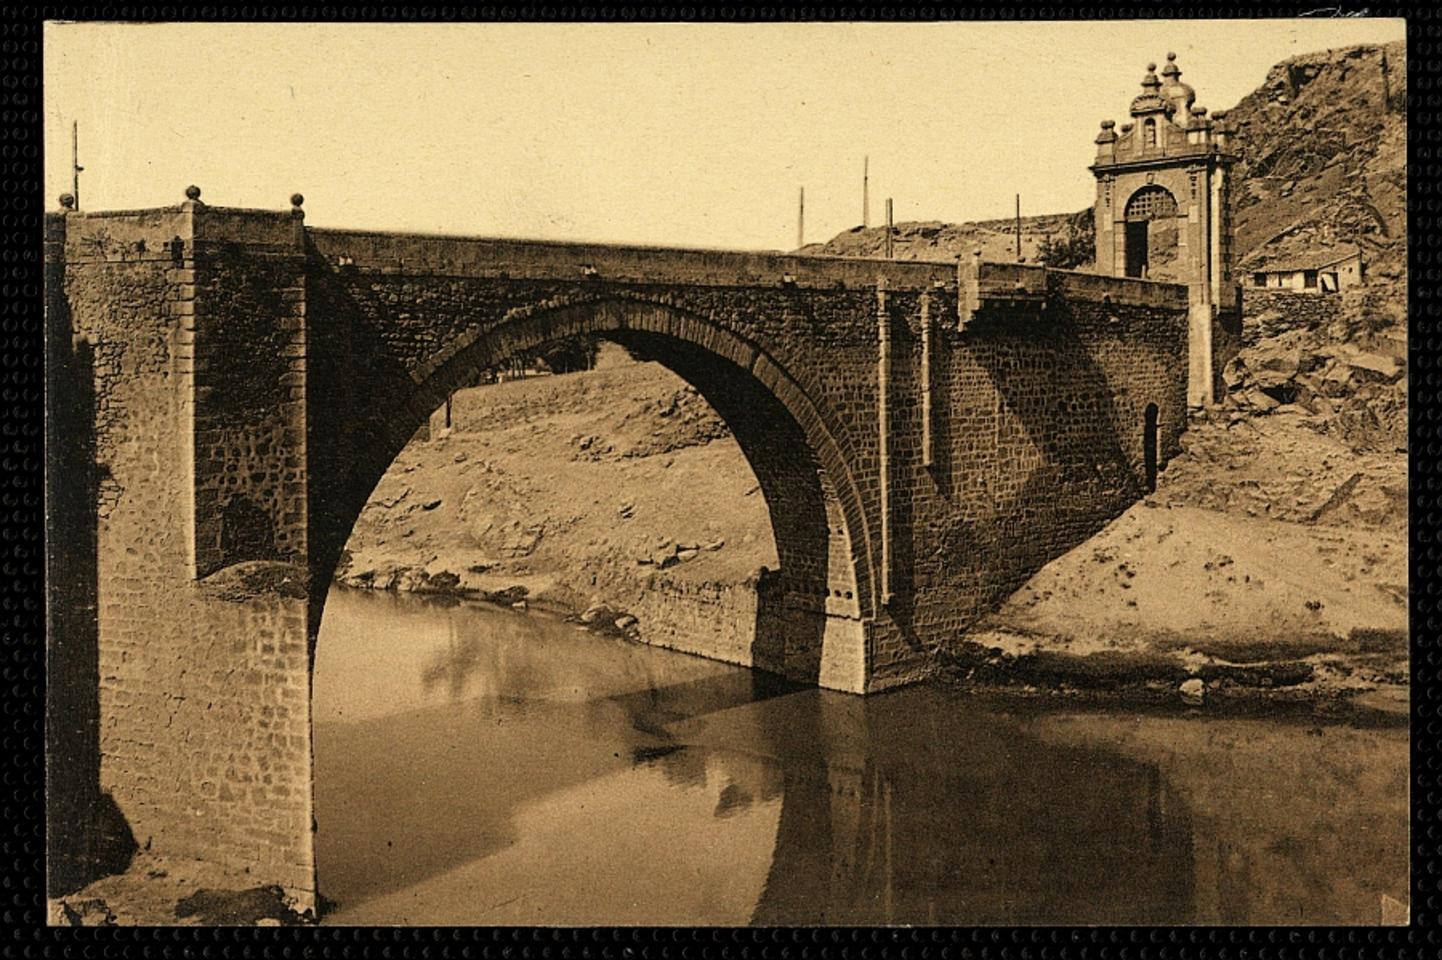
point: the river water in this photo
(477, 765)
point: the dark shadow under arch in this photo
(813, 501)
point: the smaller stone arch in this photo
(1150, 459)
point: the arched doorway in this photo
(1151, 232)
(1149, 446)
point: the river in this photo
(477, 765)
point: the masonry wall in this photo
(709, 619)
(1270, 312)
(1038, 410)
(248, 363)
(1038, 426)
(76, 841)
(202, 687)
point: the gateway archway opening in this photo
(1151, 234)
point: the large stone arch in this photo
(825, 587)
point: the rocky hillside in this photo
(1323, 145)
(934, 240)
(1324, 159)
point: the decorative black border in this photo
(22, 603)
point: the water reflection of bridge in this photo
(905, 809)
(455, 731)
(914, 807)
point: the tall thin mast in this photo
(75, 166)
(801, 220)
(1018, 227)
(866, 191)
(890, 228)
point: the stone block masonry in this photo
(925, 436)
(1269, 313)
(203, 693)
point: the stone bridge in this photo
(228, 386)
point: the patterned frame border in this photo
(22, 600)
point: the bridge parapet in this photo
(986, 284)
(133, 236)
(488, 258)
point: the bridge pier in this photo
(201, 677)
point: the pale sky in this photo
(677, 134)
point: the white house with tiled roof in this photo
(1327, 271)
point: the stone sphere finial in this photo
(1152, 67)
(296, 200)
(192, 192)
(1108, 124)
(67, 201)
(1171, 56)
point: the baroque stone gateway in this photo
(228, 386)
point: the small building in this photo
(1325, 272)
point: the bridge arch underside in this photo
(811, 613)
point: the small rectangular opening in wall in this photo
(1259, 279)
(1309, 279)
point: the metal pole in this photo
(801, 221)
(889, 225)
(866, 191)
(75, 166)
(1018, 227)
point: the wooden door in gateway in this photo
(1136, 248)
